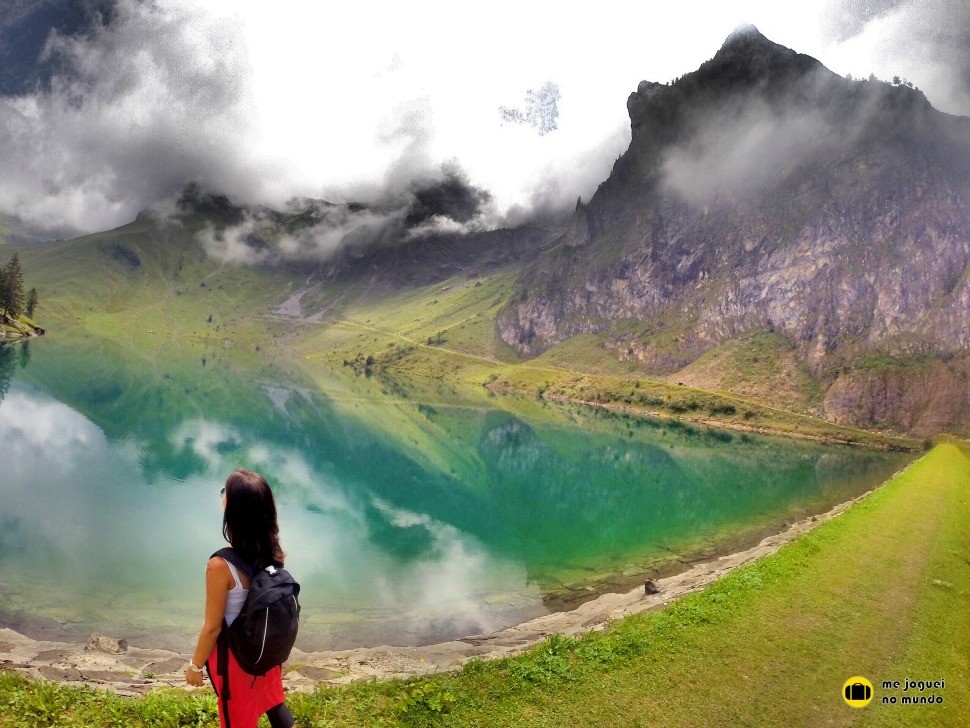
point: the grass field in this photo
(142, 284)
(882, 591)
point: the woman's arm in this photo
(217, 584)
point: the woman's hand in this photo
(194, 678)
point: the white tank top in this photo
(236, 596)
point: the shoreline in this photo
(16, 336)
(899, 443)
(136, 670)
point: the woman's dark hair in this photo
(249, 522)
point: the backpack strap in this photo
(222, 643)
(230, 555)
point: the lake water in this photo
(408, 518)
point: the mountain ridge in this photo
(764, 193)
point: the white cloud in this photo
(80, 517)
(927, 43)
(443, 589)
(355, 101)
(745, 150)
(158, 98)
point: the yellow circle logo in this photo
(857, 692)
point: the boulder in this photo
(101, 643)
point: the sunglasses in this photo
(223, 491)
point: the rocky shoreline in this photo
(18, 328)
(111, 664)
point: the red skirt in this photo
(249, 696)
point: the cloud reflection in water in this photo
(393, 541)
(362, 584)
(81, 517)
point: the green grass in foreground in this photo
(882, 591)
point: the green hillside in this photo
(144, 283)
(151, 289)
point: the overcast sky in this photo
(357, 100)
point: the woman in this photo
(249, 524)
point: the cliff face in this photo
(921, 399)
(764, 193)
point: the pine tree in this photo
(3, 289)
(31, 302)
(13, 299)
(7, 365)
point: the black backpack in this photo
(263, 634)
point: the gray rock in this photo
(138, 659)
(110, 676)
(111, 645)
(133, 691)
(650, 587)
(60, 674)
(11, 665)
(316, 673)
(165, 667)
(52, 655)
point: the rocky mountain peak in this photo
(747, 40)
(765, 193)
(748, 58)
(743, 32)
(747, 64)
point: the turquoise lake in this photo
(407, 519)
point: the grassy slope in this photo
(17, 328)
(882, 591)
(140, 284)
(651, 396)
(439, 341)
(763, 366)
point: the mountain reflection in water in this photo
(406, 521)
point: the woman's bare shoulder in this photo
(218, 565)
(217, 569)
